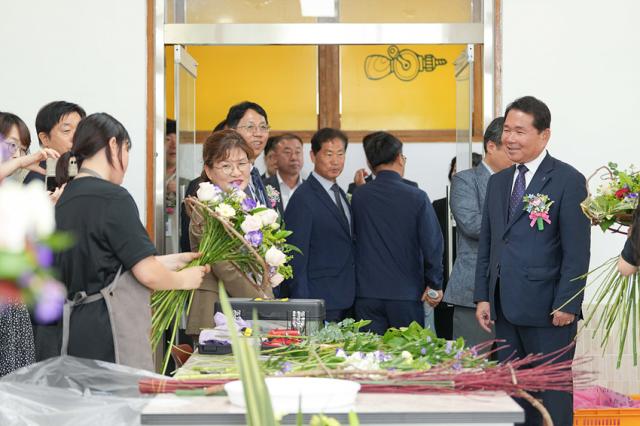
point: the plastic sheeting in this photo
(72, 391)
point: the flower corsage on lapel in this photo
(273, 195)
(537, 206)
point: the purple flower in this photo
(458, 355)
(474, 351)
(254, 238)
(457, 366)
(248, 204)
(286, 367)
(423, 351)
(449, 347)
(25, 279)
(44, 255)
(632, 195)
(49, 302)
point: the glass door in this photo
(464, 108)
(187, 164)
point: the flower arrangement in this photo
(615, 198)
(27, 244)
(616, 299)
(236, 229)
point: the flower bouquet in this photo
(617, 298)
(615, 199)
(234, 229)
(27, 243)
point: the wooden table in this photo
(486, 409)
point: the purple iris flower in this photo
(423, 351)
(632, 195)
(449, 347)
(457, 366)
(44, 255)
(286, 367)
(248, 204)
(254, 238)
(49, 302)
(458, 355)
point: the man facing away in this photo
(527, 268)
(287, 152)
(320, 217)
(468, 190)
(398, 242)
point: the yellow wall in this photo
(282, 79)
(427, 102)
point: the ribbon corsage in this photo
(537, 206)
(273, 195)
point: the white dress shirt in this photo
(532, 166)
(285, 191)
(327, 184)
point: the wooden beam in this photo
(406, 136)
(478, 100)
(497, 58)
(150, 163)
(329, 86)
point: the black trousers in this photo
(523, 341)
(388, 313)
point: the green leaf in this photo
(13, 265)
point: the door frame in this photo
(487, 32)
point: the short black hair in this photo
(170, 127)
(381, 148)
(271, 143)
(220, 126)
(51, 114)
(475, 160)
(325, 135)
(238, 111)
(536, 108)
(493, 132)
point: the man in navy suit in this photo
(525, 272)
(320, 217)
(399, 245)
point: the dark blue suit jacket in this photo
(399, 245)
(326, 268)
(535, 268)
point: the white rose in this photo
(275, 257)
(239, 195)
(225, 210)
(268, 216)
(14, 217)
(207, 192)
(276, 279)
(251, 223)
(39, 209)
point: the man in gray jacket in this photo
(468, 189)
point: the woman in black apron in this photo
(112, 267)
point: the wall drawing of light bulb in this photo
(405, 64)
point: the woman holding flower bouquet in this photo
(111, 269)
(227, 168)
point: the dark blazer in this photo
(273, 181)
(398, 240)
(369, 178)
(535, 268)
(326, 269)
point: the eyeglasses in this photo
(12, 147)
(227, 169)
(252, 128)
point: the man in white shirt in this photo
(287, 149)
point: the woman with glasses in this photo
(15, 140)
(227, 163)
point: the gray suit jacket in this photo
(468, 189)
